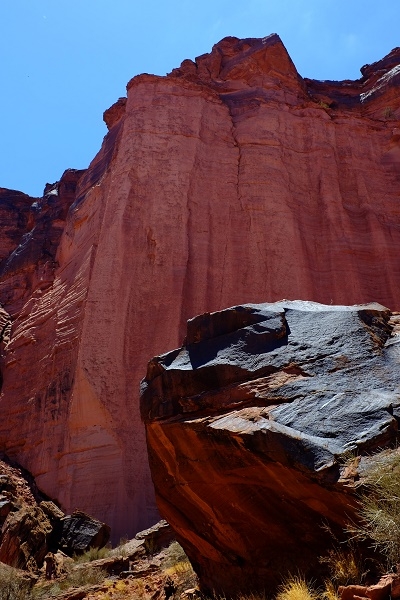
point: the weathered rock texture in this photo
(230, 180)
(31, 526)
(248, 426)
(79, 533)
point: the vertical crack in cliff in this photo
(187, 296)
(239, 196)
(239, 160)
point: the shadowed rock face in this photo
(248, 426)
(31, 526)
(228, 181)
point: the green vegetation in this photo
(380, 507)
(75, 578)
(177, 565)
(13, 586)
(92, 554)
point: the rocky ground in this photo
(153, 566)
(149, 575)
(37, 561)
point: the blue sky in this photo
(63, 62)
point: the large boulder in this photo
(249, 425)
(24, 538)
(81, 532)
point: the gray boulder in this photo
(249, 425)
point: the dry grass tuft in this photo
(345, 566)
(13, 586)
(91, 554)
(77, 577)
(380, 507)
(296, 588)
(330, 592)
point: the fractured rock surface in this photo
(233, 179)
(249, 425)
(31, 526)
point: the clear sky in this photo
(63, 62)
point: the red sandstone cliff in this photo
(231, 180)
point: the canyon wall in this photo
(230, 180)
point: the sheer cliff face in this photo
(231, 180)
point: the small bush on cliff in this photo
(175, 554)
(380, 507)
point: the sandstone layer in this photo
(231, 180)
(249, 425)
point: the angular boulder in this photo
(249, 425)
(81, 532)
(30, 527)
(24, 539)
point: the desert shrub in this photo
(12, 586)
(84, 576)
(76, 577)
(330, 592)
(91, 554)
(380, 506)
(46, 591)
(178, 566)
(345, 567)
(175, 554)
(296, 588)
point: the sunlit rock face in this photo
(230, 180)
(249, 426)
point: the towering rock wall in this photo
(231, 180)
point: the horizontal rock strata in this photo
(249, 425)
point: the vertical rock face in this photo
(248, 427)
(230, 180)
